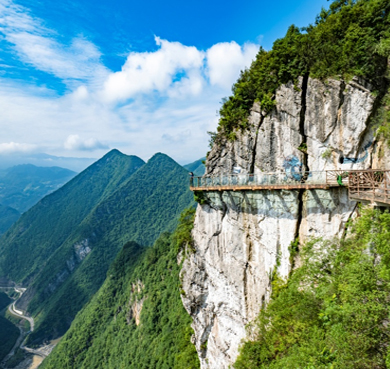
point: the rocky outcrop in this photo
(136, 303)
(240, 238)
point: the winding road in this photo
(12, 309)
(19, 343)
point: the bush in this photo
(333, 311)
(349, 39)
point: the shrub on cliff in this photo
(346, 40)
(333, 312)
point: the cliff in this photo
(241, 238)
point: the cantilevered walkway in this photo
(363, 185)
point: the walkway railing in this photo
(370, 185)
(363, 185)
(272, 180)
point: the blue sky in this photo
(78, 78)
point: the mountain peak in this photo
(113, 152)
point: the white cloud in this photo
(178, 71)
(154, 71)
(14, 147)
(74, 142)
(163, 100)
(225, 60)
(37, 46)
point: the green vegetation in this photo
(26, 247)
(4, 300)
(16, 359)
(327, 154)
(352, 38)
(8, 336)
(382, 119)
(333, 311)
(8, 216)
(22, 186)
(9, 333)
(105, 334)
(129, 204)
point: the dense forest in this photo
(333, 311)
(8, 216)
(352, 38)
(63, 246)
(108, 334)
(9, 333)
(146, 204)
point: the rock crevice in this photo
(241, 237)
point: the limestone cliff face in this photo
(240, 235)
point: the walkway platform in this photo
(363, 185)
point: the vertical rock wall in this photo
(242, 237)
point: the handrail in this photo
(363, 185)
(267, 179)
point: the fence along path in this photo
(363, 185)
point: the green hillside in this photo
(140, 209)
(8, 216)
(9, 333)
(105, 333)
(22, 186)
(197, 167)
(26, 247)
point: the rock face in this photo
(242, 237)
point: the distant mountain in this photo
(197, 167)
(136, 320)
(22, 186)
(26, 247)
(45, 160)
(8, 216)
(62, 247)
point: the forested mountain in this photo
(75, 233)
(8, 216)
(136, 320)
(197, 167)
(26, 247)
(22, 186)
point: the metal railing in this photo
(263, 179)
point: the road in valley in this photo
(41, 352)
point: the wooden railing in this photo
(369, 185)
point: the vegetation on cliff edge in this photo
(352, 38)
(334, 310)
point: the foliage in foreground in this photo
(352, 38)
(9, 333)
(333, 312)
(104, 334)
